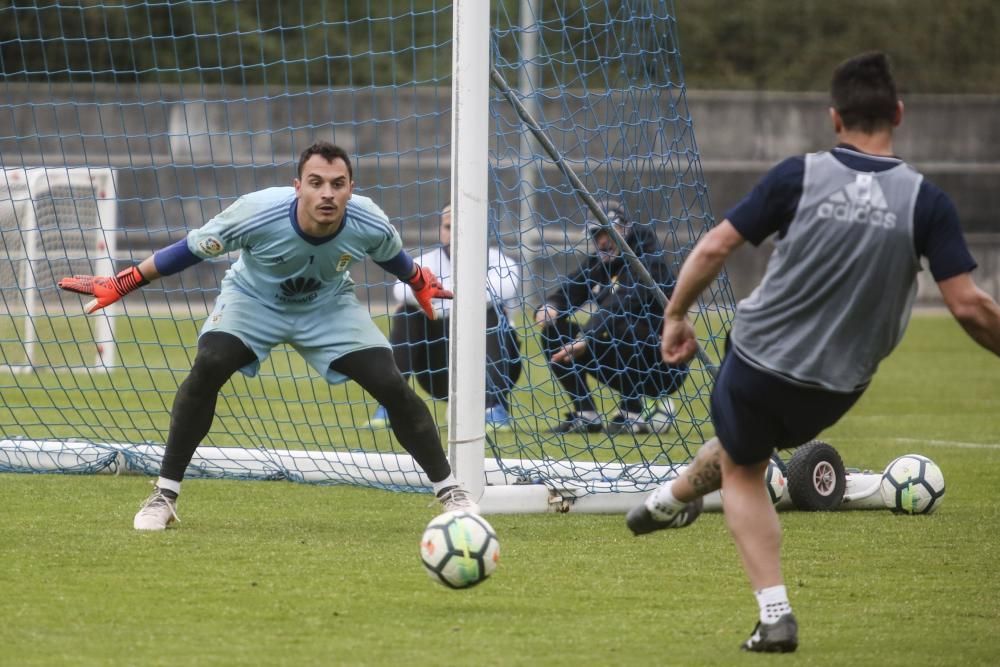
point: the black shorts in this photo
(755, 412)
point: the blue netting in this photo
(605, 82)
(170, 111)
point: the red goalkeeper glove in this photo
(105, 289)
(426, 286)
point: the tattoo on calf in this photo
(705, 473)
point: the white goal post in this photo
(467, 444)
(54, 222)
(468, 453)
(469, 196)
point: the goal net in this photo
(146, 119)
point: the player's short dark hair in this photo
(328, 152)
(864, 92)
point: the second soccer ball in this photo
(776, 482)
(912, 484)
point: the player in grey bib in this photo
(850, 226)
(837, 293)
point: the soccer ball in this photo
(776, 482)
(912, 484)
(459, 549)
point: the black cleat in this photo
(641, 521)
(782, 636)
(577, 423)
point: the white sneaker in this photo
(157, 512)
(457, 499)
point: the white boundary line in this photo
(933, 443)
(949, 443)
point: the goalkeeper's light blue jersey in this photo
(281, 265)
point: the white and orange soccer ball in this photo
(459, 549)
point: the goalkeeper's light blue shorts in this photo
(322, 334)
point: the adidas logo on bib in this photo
(861, 202)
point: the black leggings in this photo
(221, 354)
(420, 348)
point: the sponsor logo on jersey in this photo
(861, 202)
(211, 246)
(345, 261)
(299, 290)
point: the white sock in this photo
(662, 504)
(773, 602)
(168, 485)
(444, 484)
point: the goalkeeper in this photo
(851, 224)
(290, 285)
(619, 344)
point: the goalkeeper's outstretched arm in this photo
(426, 286)
(106, 290)
(421, 279)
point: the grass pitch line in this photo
(949, 443)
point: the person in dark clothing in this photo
(619, 344)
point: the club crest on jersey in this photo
(345, 261)
(211, 246)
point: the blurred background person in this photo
(619, 344)
(420, 344)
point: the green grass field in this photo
(274, 573)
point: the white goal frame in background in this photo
(24, 239)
